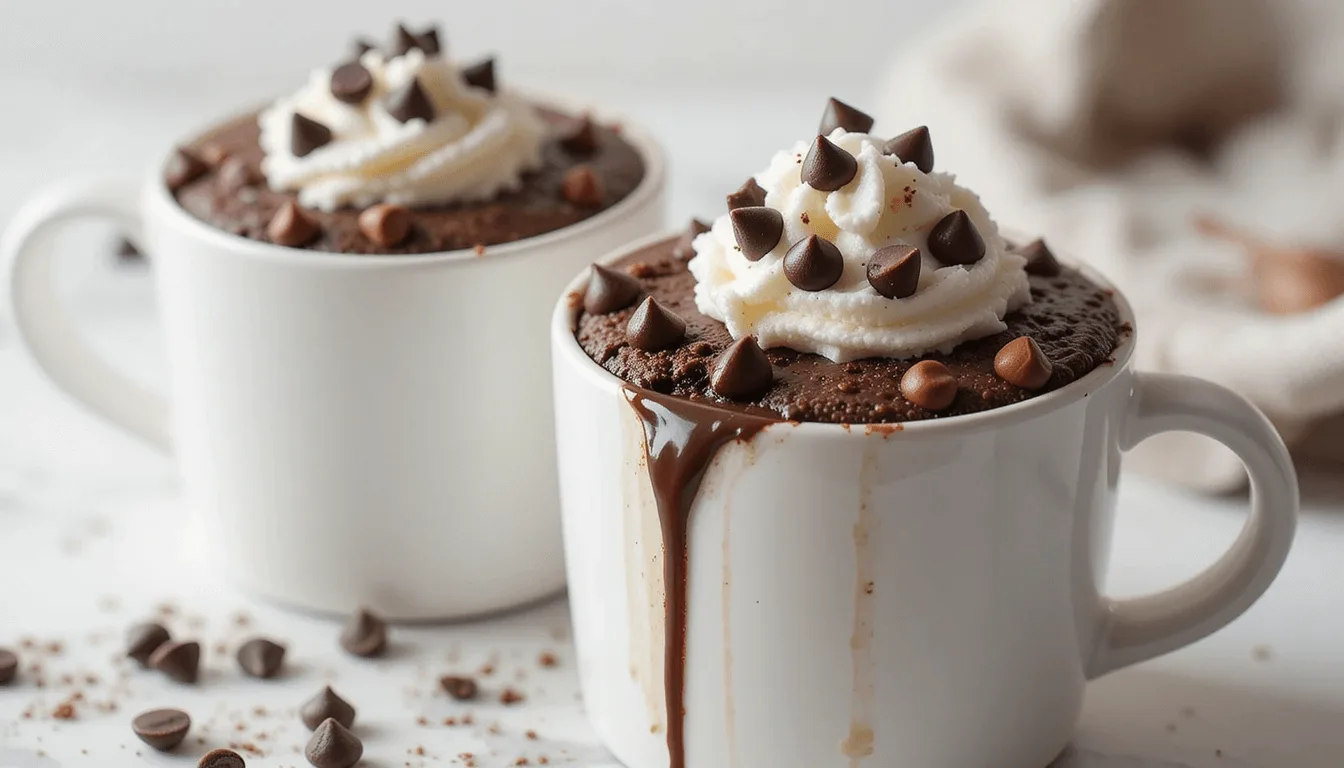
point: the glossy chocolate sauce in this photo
(681, 437)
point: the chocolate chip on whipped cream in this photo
(582, 187)
(351, 83)
(838, 114)
(757, 229)
(481, 75)
(362, 46)
(410, 102)
(828, 167)
(742, 371)
(685, 249)
(913, 146)
(306, 135)
(814, 264)
(750, 193)
(291, 226)
(955, 240)
(1022, 364)
(843, 189)
(653, 327)
(1040, 260)
(403, 41)
(609, 290)
(406, 125)
(429, 41)
(930, 385)
(893, 271)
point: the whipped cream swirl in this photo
(886, 203)
(477, 145)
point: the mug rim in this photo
(645, 193)
(567, 351)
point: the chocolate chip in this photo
(179, 661)
(429, 41)
(580, 138)
(362, 46)
(351, 83)
(221, 758)
(326, 704)
(364, 635)
(333, 746)
(913, 146)
(291, 226)
(402, 42)
(143, 639)
(1022, 364)
(306, 135)
(581, 187)
(460, 688)
(757, 229)
(236, 173)
(955, 240)
(126, 251)
(261, 658)
(930, 385)
(162, 729)
(183, 168)
(742, 371)
(894, 271)
(9, 666)
(609, 290)
(1040, 260)
(750, 193)
(409, 102)
(814, 263)
(685, 250)
(828, 167)
(481, 75)
(838, 114)
(653, 327)
(385, 224)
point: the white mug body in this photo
(928, 594)
(351, 430)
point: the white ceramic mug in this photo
(351, 430)
(930, 596)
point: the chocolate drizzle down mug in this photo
(351, 430)
(928, 596)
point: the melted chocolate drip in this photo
(681, 437)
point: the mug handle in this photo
(1137, 629)
(28, 247)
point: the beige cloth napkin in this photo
(1193, 151)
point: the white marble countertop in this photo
(90, 523)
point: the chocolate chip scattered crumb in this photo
(522, 761)
(487, 669)
(459, 687)
(422, 721)
(531, 735)
(479, 249)
(548, 659)
(451, 722)
(64, 711)
(806, 219)
(511, 696)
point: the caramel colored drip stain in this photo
(642, 534)
(681, 438)
(858, 743)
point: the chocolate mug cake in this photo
(850, 283)
(398, 149)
